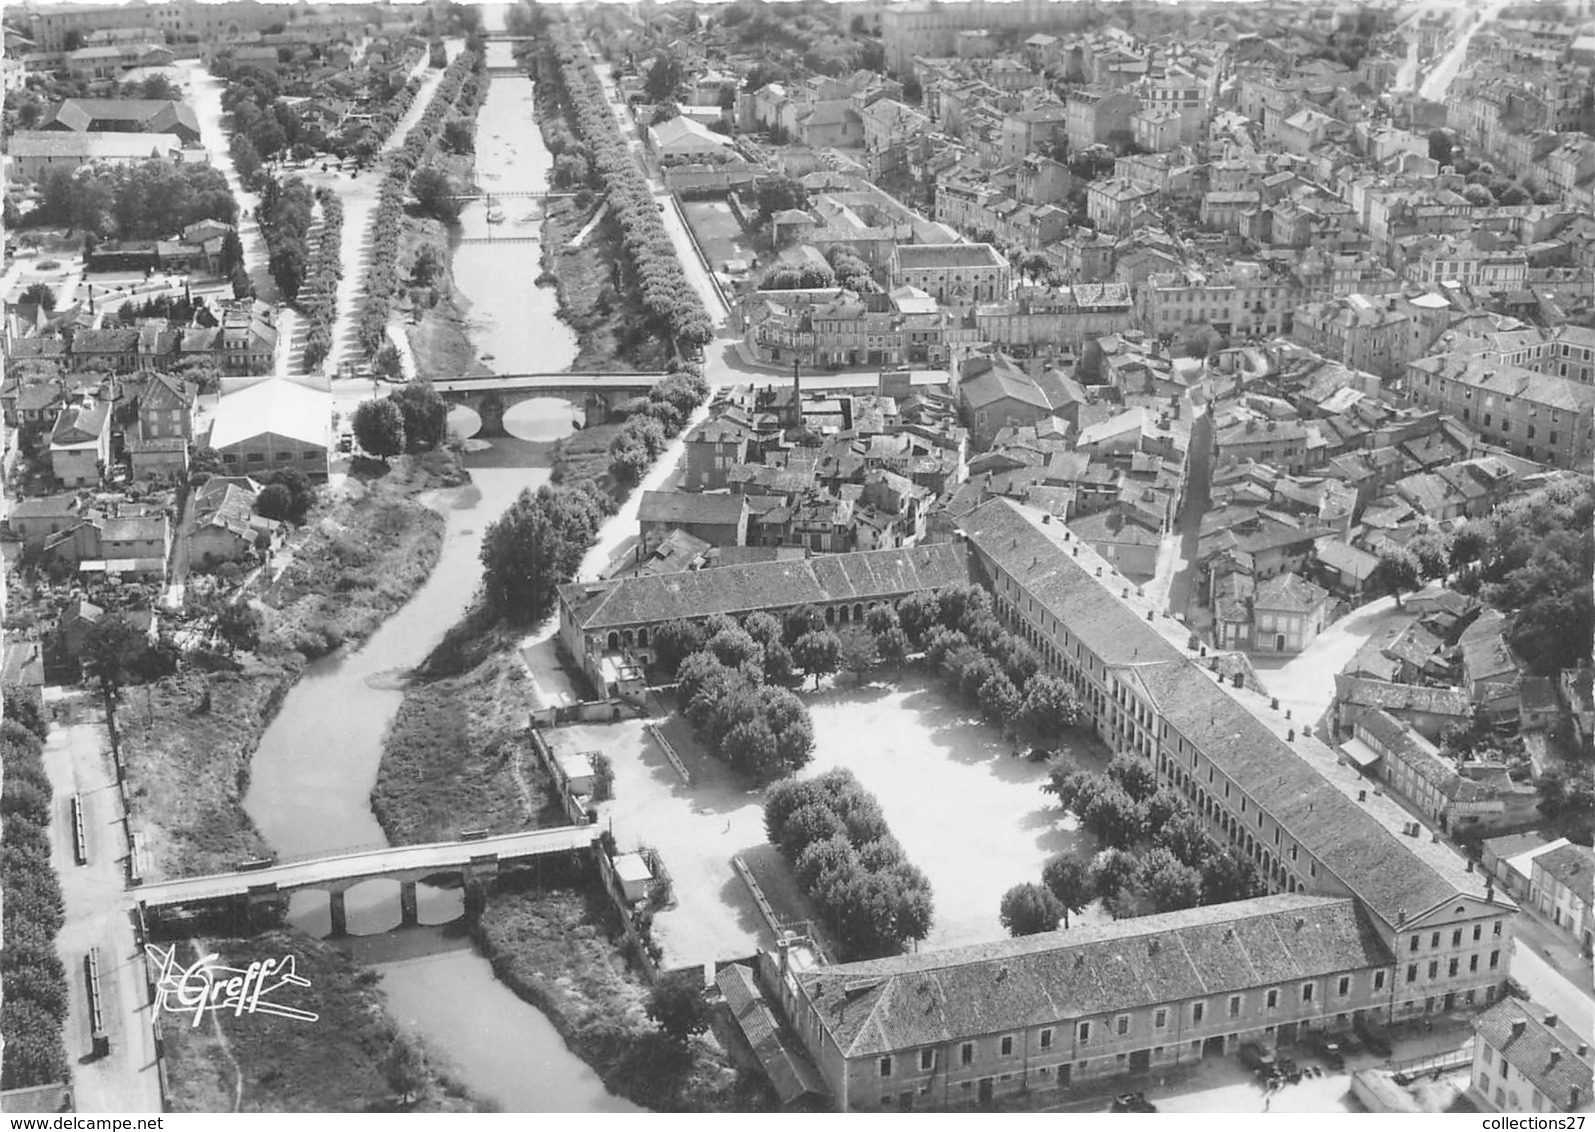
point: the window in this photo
(1478, 930)
(1412, 972)
(966, 1053)
(1489, 1053)
(1272, 1000)
(1434, 940)
(1085, 1033)
(1198, 1010)
(1160, 1019)
(1413, 944)
(1046, 1038)
(886, 1067)
(1497, 930)
(1473, 962)
(1456, 938)
(1121, 1025)
(1434, 968)
(1344, 987)
(1007, 1045)
(1378, 980)
(1306, 992)
(1495, 960)
(927, 1059)
(1234, 1006)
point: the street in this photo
(1306, 681)
(1172, 585)
(1549, 989)
(97, 914)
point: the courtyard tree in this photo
(1162, 806)
(807, 825)
(999, 701)
(111, 650)
(1168, 882)
(857, 653)
(1228, 877)
(1112, 871)
(663, 79)
(735, 646)
(1397, 571)
(751, 746)
(817, 653)
(1113, 818)
(1028, 909)
(1050, 707)
(39, 294)
(379, 428)
(1134, 774)
(677, 1005)
(674, 641)
(1068, 878)
(918, 614)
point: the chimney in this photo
(1287, 713)
(1556, 1056)
(1550, 1021)
(1518, 1027)
(1236, 680)
(1273, 702)
(1290, 736)
(1401, 917)
(1583, 1049)
(1362, 795)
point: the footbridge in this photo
(467, 859)
(596, 393)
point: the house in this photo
(37, 153)
(1526, 1059)
(713, 448)
(73, 626)
(1126, 542)
(1428, 711)
(1562, 888)
(35, 520)
(1414, 769)
(1288, 613)
(124, 115)
(136, 545)
(718, 519)
(1509, 859)
(683, 138)
(970, 1026)
(994, 393)
(957, 274)
(226, 527)
(80, 443)
(266, 424)
(1491, 671)
(1575, 688)
(166, 408)
(1344, 568)
(1118, 205)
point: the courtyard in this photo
(966, 811)
(718, 233)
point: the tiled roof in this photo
(1574, 867)
(919, 257)
(1401, 697)
(792, 1076)
(689, 507)
(1545, 1054)
(1298, 781)
(910, 1001)
(1290, 593)
(862, 576)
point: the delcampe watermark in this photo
(208, 985)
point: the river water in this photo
(312, 776)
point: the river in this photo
(312, 776)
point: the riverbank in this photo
(555, 940)
(187, 740)
(458, 757)
(265, 1063)
(365, 549)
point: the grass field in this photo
(458, 757)
(188, 740)
(718, 233)
(264, 1063)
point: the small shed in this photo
(578, 771)
(634, 875)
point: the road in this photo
(1306, 682)
(1549, 989)
(1172, 584)
(97, 914)
(1438, 81)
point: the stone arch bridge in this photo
(595, 393)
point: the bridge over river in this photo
(408, 864)
(597, 393)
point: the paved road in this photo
(77, 760)
(1438, 82)
(1549, 989)
(1173, 583)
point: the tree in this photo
(1135, 774)
(536, 546)
(918, 614)
(663, 79)
(1028, 909)
(677, 1005)
(728, 97)
(857, 653)
(301, 493)
(1397, 571)
(673, 642)
(274, 501)
(425, 413)
(817, 653)
(434, 193)
(459, 135)
(41, 294)
(1050, 707)
(1229, 877)
(1112, 871)
(1069, 881)
(25, 705)
(379, 428)
(1169, 883)
(404, 1067)
(999, 700)
(1433, 553)
(111, 649)
(1113, 817)
(1440, 146)
(777, 194)
(238, 624)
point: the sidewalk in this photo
(98, 910)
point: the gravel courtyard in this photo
(965, 810)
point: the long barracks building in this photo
(1315, 828)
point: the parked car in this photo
(1330, 1048)
(1133, 1102)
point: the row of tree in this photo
(652, 420)
(317, 296)
(833, 833)
(734, 705)
(149, 200)
(287, 210)
(537, 545)
(458, 92)
(673, 307)
(33, 978)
